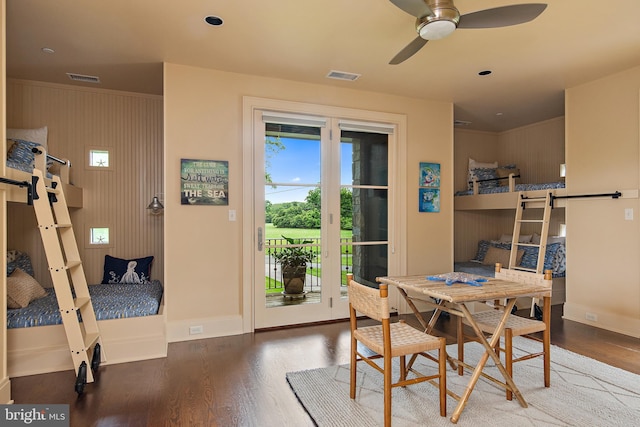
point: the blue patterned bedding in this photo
(110, 301)
(518, 187)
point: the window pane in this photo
(99, 158)
(99, 236)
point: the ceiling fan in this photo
(437, 19)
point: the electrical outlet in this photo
(195, 330)
(592, 317)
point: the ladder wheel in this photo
(95, 359)
(81, 380)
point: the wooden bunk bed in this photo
(38, 344)
(504, 196)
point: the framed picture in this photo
(429, 200)
(204, 182)
(430, 175)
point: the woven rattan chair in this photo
(515, 326)
(388, 340)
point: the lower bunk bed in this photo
(492, 251)
(130, 317)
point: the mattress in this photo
(110, 301)
(518, 187)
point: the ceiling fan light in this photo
(435, 30)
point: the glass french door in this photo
(321, 212)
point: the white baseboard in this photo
(605, 320)
(197, 329)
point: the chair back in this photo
(371, 302)
(513, 275)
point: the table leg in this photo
(489, 352)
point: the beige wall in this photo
(130, 127)
(203, 119)
(603, 249)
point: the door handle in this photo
(260, 241)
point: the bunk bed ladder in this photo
(545, 203)
(68, 277)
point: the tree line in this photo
(307, 214)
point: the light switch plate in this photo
(628, 214)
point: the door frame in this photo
(397, 184)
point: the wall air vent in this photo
(343, 75)
(461, 123)
(83, 78)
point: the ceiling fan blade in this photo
(408, 51)
(502, 16)
(417, 8)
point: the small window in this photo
(99, 236)
(99, 158)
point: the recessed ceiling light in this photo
(47, 50)
(498, 114)
(215, 21)
(484, 73)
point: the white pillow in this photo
(38, 136)
(475, 165)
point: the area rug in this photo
(583, 392)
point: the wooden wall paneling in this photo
(130, 126)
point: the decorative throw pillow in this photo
(21, 261)
(495, 255)
(22, 289)
(39, 135)
(20, 152)
(504, 172)
(118, 270)
(486, 178)
(473, 164)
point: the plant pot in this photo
(293, 278)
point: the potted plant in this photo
(293, 262)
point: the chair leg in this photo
(403, 368)
(442, 371)
(508, 356)
(546, 341)
(460, 334)
(353, 367)
(387, 391)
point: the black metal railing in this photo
(273, 275)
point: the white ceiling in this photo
(124, 42)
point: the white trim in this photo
(397, 180)
(293, 119)
(357, 126)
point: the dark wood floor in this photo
(240, 380)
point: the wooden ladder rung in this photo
(90, 339)
(53, 190)
(82, 301)
(72, 264)
(531, 220)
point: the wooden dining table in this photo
(457, 299)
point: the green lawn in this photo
(271, 232)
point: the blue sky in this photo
(299, 163)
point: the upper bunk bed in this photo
(494, 187)
(26, 150)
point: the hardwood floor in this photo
(240, 380)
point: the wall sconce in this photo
(155, 206)
(563, 170)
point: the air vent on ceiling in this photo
(461, 123)
(83, 78)
(343, 75)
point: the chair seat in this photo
(405, 339)
(487, 321)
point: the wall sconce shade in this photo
(155, 206)
(563, 170)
